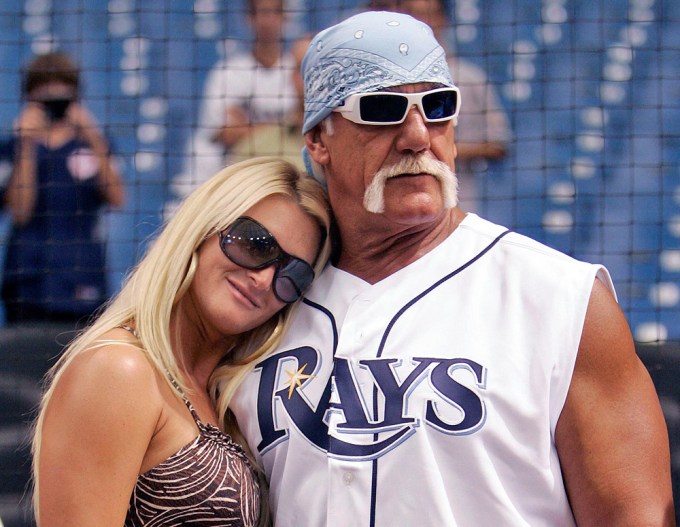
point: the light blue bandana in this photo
(368, 52)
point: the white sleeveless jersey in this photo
(429, 398)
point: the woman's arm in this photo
(97, 427)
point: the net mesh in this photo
(590, 88)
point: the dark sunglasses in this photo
(56, 108)
(249, 244)
(385, 108)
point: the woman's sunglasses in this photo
(249, 244)
(386, 108)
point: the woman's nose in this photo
(262, 278)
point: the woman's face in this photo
(230, 299)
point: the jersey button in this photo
(347, 478)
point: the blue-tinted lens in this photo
(392, 107)
(440, 105)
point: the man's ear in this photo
(316, 146)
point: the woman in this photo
(127, 431)
(63, 176)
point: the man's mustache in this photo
(412, 165)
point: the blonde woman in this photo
(128, 431)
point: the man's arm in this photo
(490, 150)
(611, 436)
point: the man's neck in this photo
(373, 256)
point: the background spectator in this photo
(62, 176)
(283, 138)
(242, 92)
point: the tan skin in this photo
(34, 127)
(611, 436)
(113, 416)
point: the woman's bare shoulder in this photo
(114, 370)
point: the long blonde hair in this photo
(164, 275)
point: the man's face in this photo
(267, 20)
(428, 11)
(354, 153)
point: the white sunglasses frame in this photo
(350, 109)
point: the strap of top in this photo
(130, 329)
(204, 429)
(177, 387)
(190, 406)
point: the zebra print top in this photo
(208, 482)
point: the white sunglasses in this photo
(386, 108)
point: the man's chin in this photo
(413, 207)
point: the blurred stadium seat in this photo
(27, 352)
(663, 363)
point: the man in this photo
(443, 371)
(281, 139)
(245, 91)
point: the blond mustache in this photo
(374, 196)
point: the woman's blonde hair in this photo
(164, 275)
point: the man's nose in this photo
(414, 134)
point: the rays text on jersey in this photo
(367, 407)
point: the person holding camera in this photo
(63, 174)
